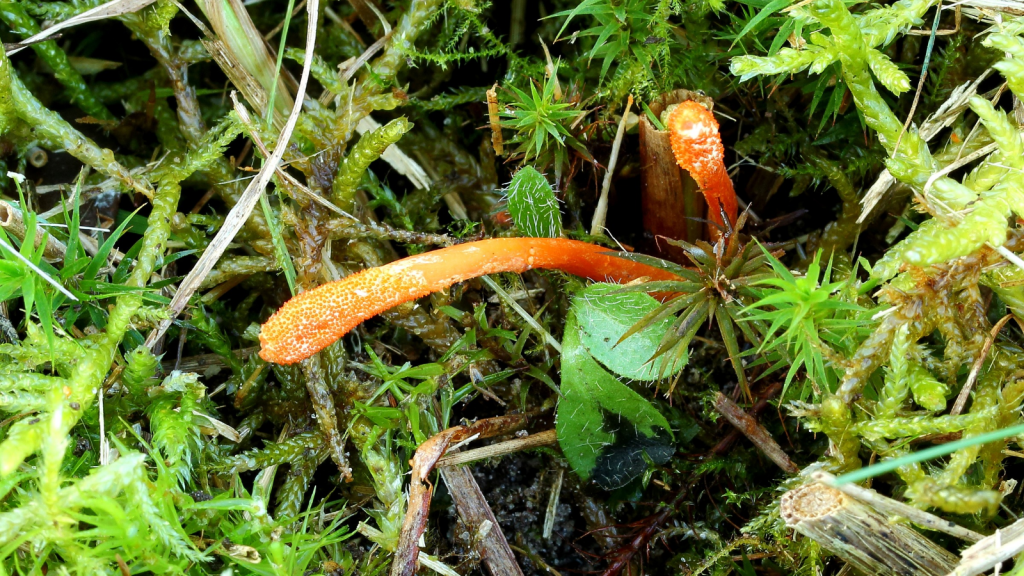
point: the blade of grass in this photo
(530, 320)
(927, 454)
(37, 270)
(284, 260)
(269, 115)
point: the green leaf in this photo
(650, 116)
(605, 314)
(781, 36)
(100, 259)
(832, 109)
(772, 7)
(586, 7)
(606, 430)
(533, 205)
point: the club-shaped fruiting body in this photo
(313, 320)
(698, 149)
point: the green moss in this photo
(201, 457)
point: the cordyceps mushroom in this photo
(313, 320)
(698, 149)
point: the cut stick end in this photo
(810, 502)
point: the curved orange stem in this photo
(698, 149)
(313, 320)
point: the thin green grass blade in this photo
(927, 454)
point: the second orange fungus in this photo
(698, 148)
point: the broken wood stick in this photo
(861, 535)
(12, 222)
(472, 507)
(545, 438)
(756, 433)
(406, 559)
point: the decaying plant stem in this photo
(476, 513)
(546, 438)
(860, 535)
(12, 223)
(423, 462)
(992, 550)
(241, 211)
(896, 508)
(497, 142)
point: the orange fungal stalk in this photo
(698, 149)
(313, 320)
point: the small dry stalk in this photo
(756, 433)
(492, 114)
(992, 550)
(476, 513)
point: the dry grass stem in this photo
(552, 511)
(546, 438)
(247, 202)
(601, 213)
(101, 12)
(992, 551)
(530, 320)
(965, 392)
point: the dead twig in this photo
(406, 556)
(965, 392)
(991, 551)
(601, 212)
(472, 507)
(12, 222)
(546, 438)
(756, 433)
